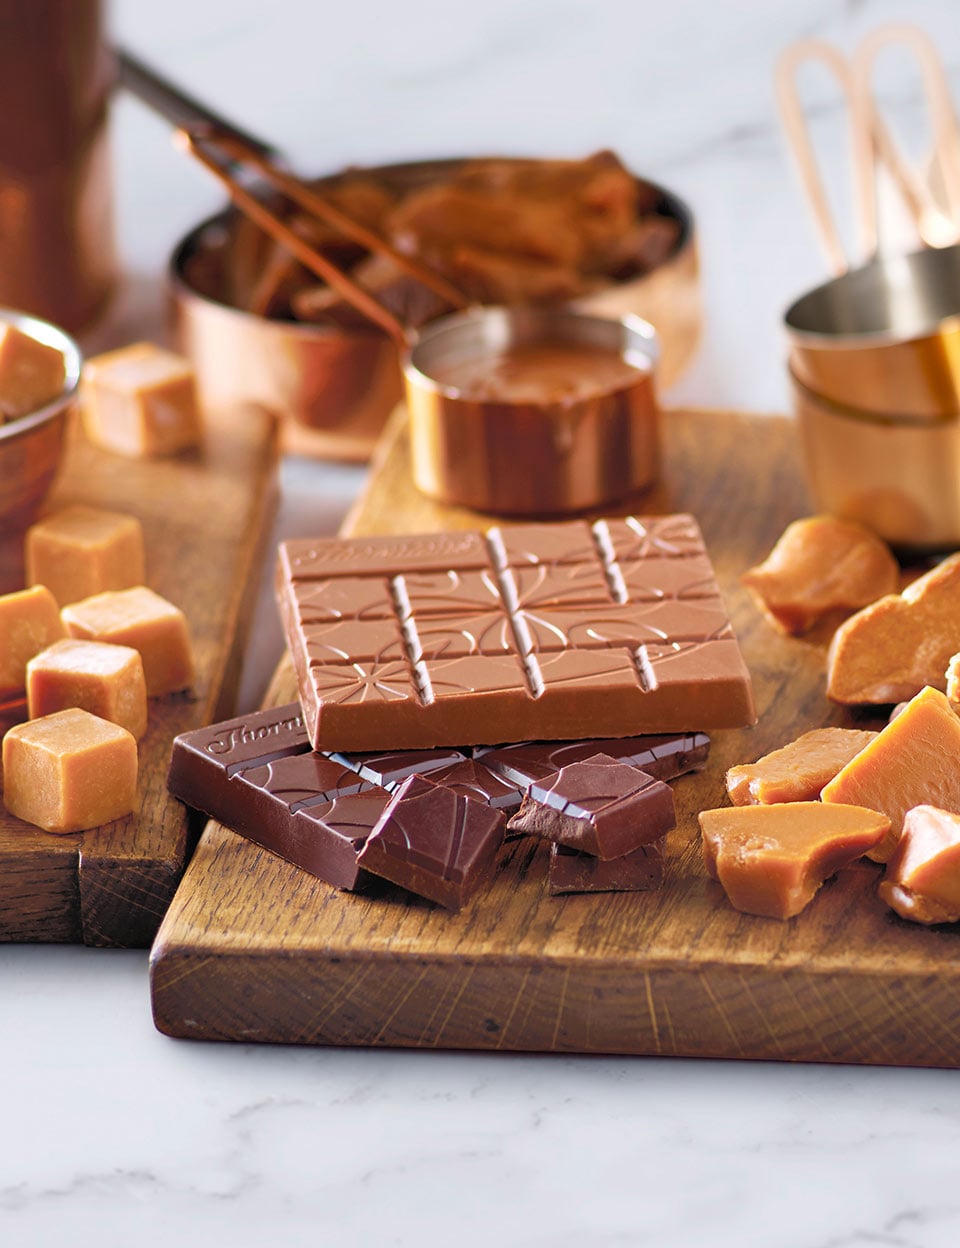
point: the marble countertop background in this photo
(111, 1133)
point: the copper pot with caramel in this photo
(532, 411)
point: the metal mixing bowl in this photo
(31, 446)
(333, 388)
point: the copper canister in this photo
(56, 227)
(532, 458)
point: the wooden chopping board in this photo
(206, 516)
(253, 949)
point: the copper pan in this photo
(332, 387)
(884, 336)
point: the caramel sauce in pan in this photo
(542, 373)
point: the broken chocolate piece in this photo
(257, 775)
(573, 872)
(598, 806)
(388, 770)
(435, 842)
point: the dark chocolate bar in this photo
(573, 872)
(664, 756)
(388, 770)
(434, 841)
(257, 775)
(530, 631)
(599, 806)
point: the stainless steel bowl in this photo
(333, 388)
(31, 446)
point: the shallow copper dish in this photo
(334, 388)
(31, 446)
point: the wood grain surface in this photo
(253, 949)
(206, 516)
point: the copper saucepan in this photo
(335, 386)
(558, 447)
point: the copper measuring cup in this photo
(520, 458)
(875, 351)
(882, 336)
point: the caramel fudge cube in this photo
(141, 401)
(69, 771)
(29, 622)
(142, 619)
(104, 679)
(81, 551)
(31, 373)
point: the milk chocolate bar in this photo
(436, 842)
(258, 775)
(573, 872)
(523, 632)
(599, 807)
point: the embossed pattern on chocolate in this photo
(434, 841)
(527, 631)
(664, 756)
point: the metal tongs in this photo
(873, 146)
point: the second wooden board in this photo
(205, 515)
(253, 949)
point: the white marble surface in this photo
(110, 1133)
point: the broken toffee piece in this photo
(573, 872)
(438, 843)
(772, 860)
(557, 630)
(599, 806)
(922, 882)
(798, 771)
(258, 776)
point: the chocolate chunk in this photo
(665, 756)
(554, 630)
(573, 872)
(388, 770)
(435, 842)
(599, 806)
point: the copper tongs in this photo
(873, 146)
(228, 152)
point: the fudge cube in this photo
(104, 679)
(31, 373)
(141, 401)
(80, 551)
(29, 622)
(69, 771)
(142, 619)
